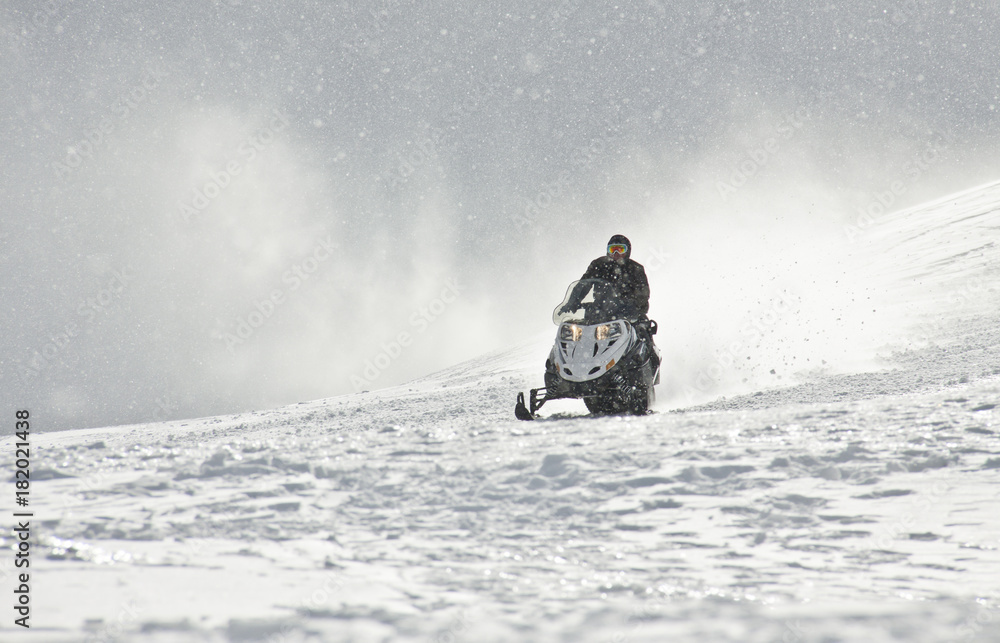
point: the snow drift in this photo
(846, 504)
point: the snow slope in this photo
(847, 507)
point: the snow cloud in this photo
(499, 147)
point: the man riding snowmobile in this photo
(603, 352)
(627, 276)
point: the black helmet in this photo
(619, 240)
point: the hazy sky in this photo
(211, 207)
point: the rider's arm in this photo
(641, 296)
(592, 270)
(581, 289)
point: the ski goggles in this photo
(617, 249)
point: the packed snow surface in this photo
(857, 506)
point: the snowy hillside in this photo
(850, 506)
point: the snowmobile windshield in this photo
(592, 301)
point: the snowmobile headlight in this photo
(570, 333)
(607, 331)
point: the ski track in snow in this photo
(848, 507)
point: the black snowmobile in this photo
(604, 353)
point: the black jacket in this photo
(628, 278)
